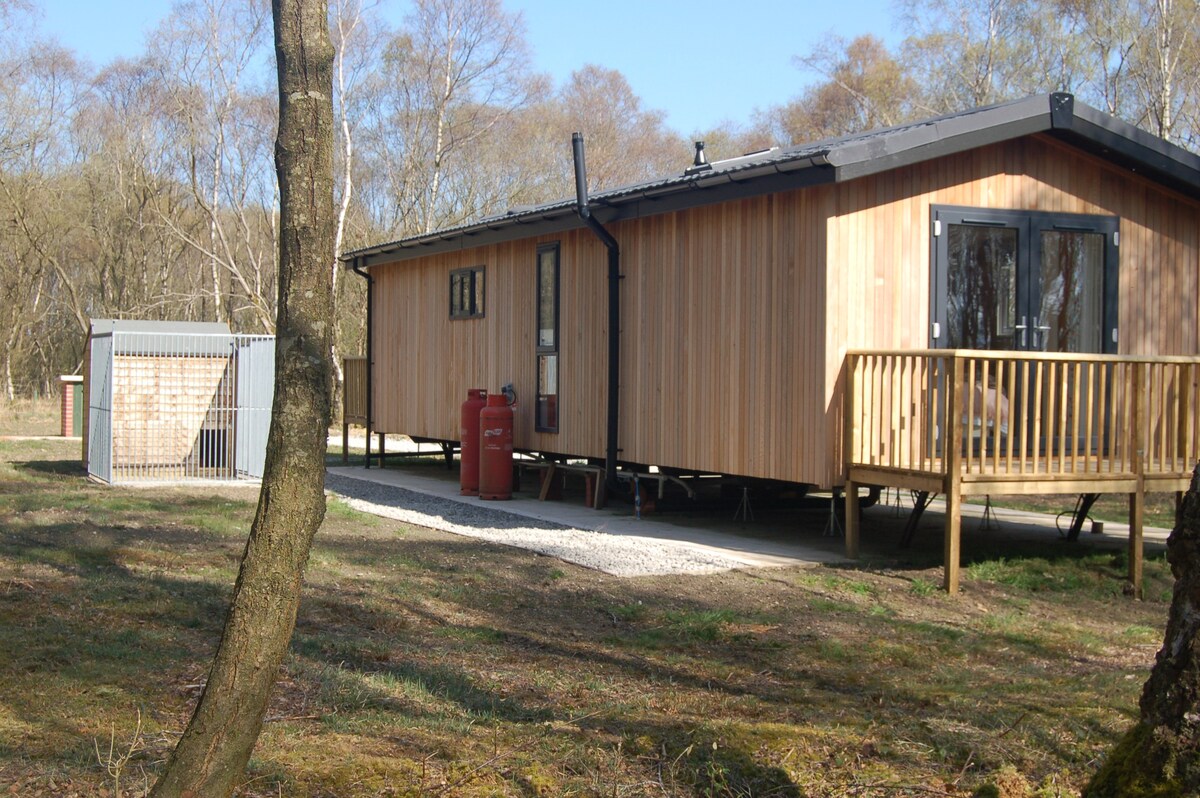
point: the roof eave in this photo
(942, 137)
(1055, 114)
(703, 189)
(1131, 147)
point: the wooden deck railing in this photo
(354, 391)
(354, 402)
(1015, 414)
(965, 422)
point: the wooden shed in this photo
(175, 400)
(754, 292)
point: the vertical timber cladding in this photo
(736, 316)
(879, 234)
(723, 338)
(425, 362)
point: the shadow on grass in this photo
(119, 611)
(58, 468)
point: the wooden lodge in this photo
(1004, 300)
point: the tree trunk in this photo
(1160, 756)
(212, 754)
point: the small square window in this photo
(466, 293)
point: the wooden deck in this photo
(969, 423)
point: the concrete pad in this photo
(797, 541)
(747, 551)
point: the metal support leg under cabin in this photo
(853, 520)
(1082, 508)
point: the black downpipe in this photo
(614, 309)
(357, 269)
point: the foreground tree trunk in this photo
(212, 754)
(1160, 756)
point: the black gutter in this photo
(356, 267)
(614, 309)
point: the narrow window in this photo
(466, 293)
(547, 339)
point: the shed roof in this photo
(109, 326)
(828, 161)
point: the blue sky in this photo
(701, 62)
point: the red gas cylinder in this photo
(496, 449)
(468, 431)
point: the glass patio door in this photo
(1070, 298)
(1024, 281)
(1027, 282)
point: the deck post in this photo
(1137, 511)
(852, 519)
(850, 399)
(952, 460)
(1137, 499)
(1137, 506)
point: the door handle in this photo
(1040, 344)
(1021, 329)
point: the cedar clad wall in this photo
(722, 323)
(722, 335)
(879, 247)
(737, 316)
(425, 362)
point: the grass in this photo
(1112, 507)
(30, 417)
(426, 664)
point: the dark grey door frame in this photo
(1029, 226)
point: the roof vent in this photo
(700, 162)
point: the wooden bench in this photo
(593, 480)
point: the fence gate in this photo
(255, 392)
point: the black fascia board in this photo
(938, 138)
(1131, 147)
(734, 189)
(633, 205)
(468, 238)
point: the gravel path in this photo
(620, 555)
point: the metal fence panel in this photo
(256, 391)
(175, 405)
(100, 409)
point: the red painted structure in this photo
(468, 472)
(496, 448)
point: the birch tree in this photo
(1166, 62)
(212, 753)
(207, 52)
(864, 87)
(452, 78)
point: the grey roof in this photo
(109, 326)
(165, 338)
(829, 161)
